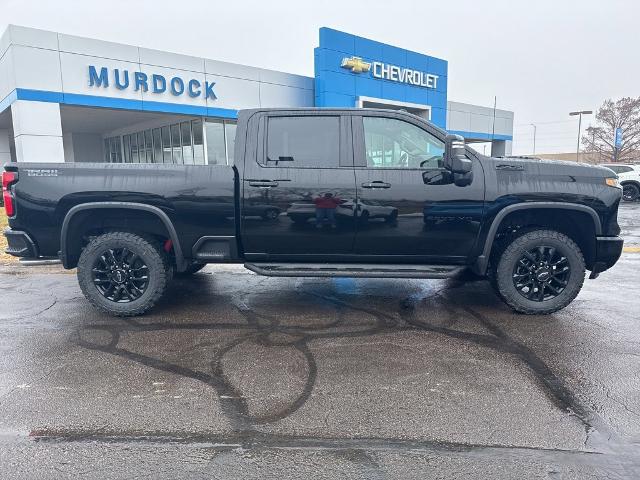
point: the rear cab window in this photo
(303, 142)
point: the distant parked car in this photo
(629, 177)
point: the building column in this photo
(37, 130)
(498, 148)
(5, 148)
(508, 147)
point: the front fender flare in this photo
(482, 262)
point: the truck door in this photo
(298, 190)
(406, 204)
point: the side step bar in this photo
(33, 262)
(357, 270)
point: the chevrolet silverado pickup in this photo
(322, 193)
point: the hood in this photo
(551, 167)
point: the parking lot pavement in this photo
(629, 220)
(239, 376)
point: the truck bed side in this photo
(198, 200)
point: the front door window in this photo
(392, 143)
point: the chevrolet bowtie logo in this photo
(355, 64)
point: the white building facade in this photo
(65, 98)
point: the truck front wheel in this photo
(539, 272)
(123, 274)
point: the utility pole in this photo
(534, 138)
(580, 113)
(493, 127)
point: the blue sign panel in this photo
(350, 68)
(618, 139)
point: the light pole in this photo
(534, 138)
(580, 113)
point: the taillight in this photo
(8, 178)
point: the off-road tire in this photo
(159, 272)
(503, 271)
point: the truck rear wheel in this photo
(123, 274)
(539, 272)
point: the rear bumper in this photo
(608, 251)
(20, 244)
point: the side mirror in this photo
(455, 157)
(456, 161)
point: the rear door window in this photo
(303, 142)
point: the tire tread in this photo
(512, 297)
(154, 255)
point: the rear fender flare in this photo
(177, 249)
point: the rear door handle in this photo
(263, 183)
(376, 184)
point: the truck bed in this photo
(199, 200)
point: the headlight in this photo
(612, 182)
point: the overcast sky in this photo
(540, 58)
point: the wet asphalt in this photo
(239, 376)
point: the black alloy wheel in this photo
(541, 273)
(124, 274)
(120, 275)
(538, 272)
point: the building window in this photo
(142, 152)
(127, 148)
(157, 146)
(198, 142)
(220, 137)
(179, 143)
(175, 143)
(166, 144)
(113, 150)
(148, 145)
(187, 143)
(216, 151)
(230, 135)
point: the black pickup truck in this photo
(322, 193)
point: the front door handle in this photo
(376, 184)
(263, 183)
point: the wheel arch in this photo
(67, 247)
(633, 182)
(482, 261)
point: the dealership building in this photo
(65, 98)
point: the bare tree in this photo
(600, 139)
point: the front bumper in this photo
(608, 251)
(20, 244)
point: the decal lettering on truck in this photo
(41, 172)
